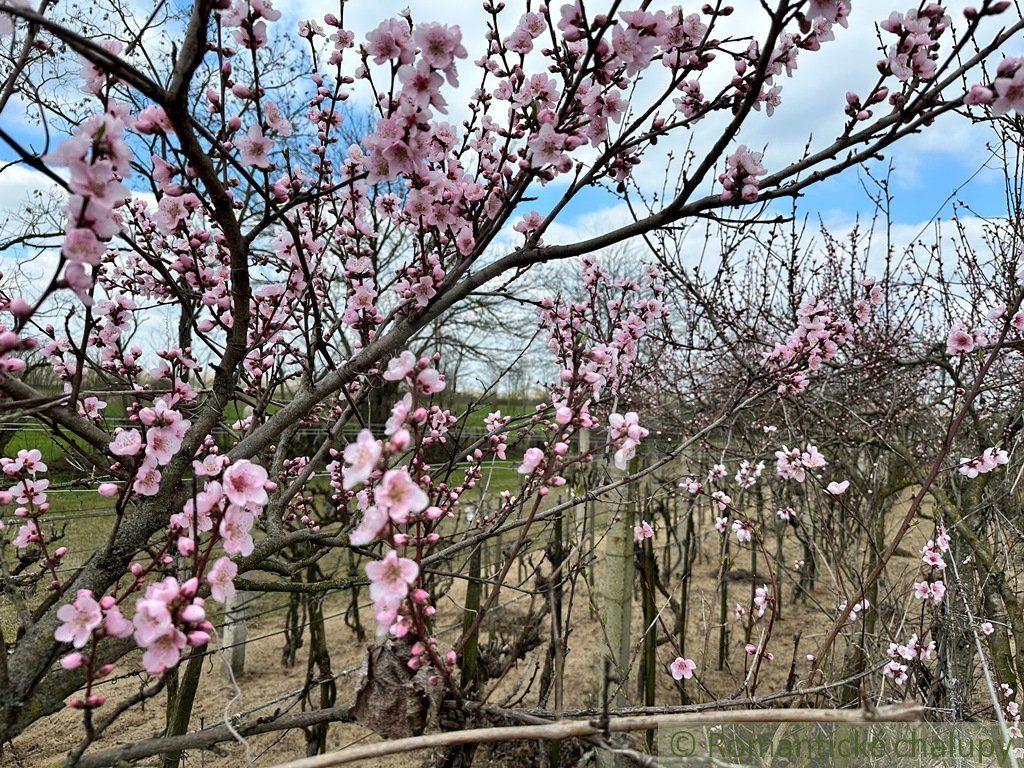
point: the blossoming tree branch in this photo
(313, 214)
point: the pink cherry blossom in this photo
(896, 672)
(361, 458)
(370, 526)
(838, 489)
(743, 531)
(163, 651)
(439, 44)
(399, 496)
(221, 578)
(163, 442)
(255, 148)
(127, 442)
(244, 484)
(683, 669)
(391, 577)
(643, 531)
(235, 528)
(429, 381)
(959, 341)
(1009, 87)
(79, 619)
(28, 534)
(400, 366)
(114, 623)
(147, 480)
(30, 491)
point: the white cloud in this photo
(813, 100)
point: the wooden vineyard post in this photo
(618, 593)
(234, 635)
(470, 653)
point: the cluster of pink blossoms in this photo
(932, 551)
(400, 143)
(1006, 92)
(230, 506)
(862, 307)
(857, 608)
(29, 493)
(931, 556)
(763, 598)
(896, 669)
(625, 434)
(393, 505)
(739, 179)
(607, 360)
(11, 343)
(749, 473)
(990, 459)
(816, 341)
(171, 616)
(961, 341)
(934, 591)
(165, 429)
(914, 55)
(249, 20)
(793, 464)
(98, 158)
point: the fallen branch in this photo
(210, 736)
(570, 729)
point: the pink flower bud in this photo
(193, 614)
(19, 307)
(196, 639)
(107, 489)
(71, 661)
